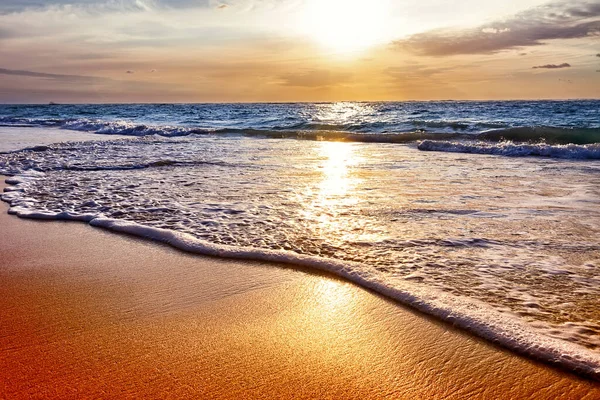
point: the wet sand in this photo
(89, 314)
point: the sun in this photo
(345, 26)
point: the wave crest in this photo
(511, 149)
(546, 134)
(361, 131)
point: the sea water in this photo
(484, 214)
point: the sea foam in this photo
(469, 314)
(448, 234)
(511, 149)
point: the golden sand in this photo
(90, 314)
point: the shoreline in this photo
(562, 355)
(91, 313)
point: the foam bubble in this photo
(570, 151)
(471, 315)
(434, 231)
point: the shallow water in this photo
(13, 139)
(506, 247)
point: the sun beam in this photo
(346, 26)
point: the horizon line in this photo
(299, 102)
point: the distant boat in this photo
(53, 104)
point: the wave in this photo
(548, 134)
(154, 164)
(470, 315)
(511, 149)
(372, 132)
(19, 121)
(455, 125)
(401, 137)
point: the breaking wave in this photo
(512, 149)
(372, 132)
(546, 134)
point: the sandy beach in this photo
(299, 199)
(91, 314)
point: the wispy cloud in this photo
(411, 79)
(61, 77)
(43, 87)
(6, 33)
(556, 20)
(18, 6)
(552, 66)
(315, 78)
(15, 6)
(412, 72)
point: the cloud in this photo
(61, 77)
(556, 20)
(89, 56)
(6, 33)
(18, 6)
(553, 66)
(415, 72)
(15, 6)
(412, 79)
(40, 87)
(10, 6)
(420, 75)
(315, 78)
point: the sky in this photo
(119, 51)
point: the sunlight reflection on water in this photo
(335, 191)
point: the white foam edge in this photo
(512, 149)
(481, 319)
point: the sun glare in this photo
(346, 26)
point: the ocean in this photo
(483, 214)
